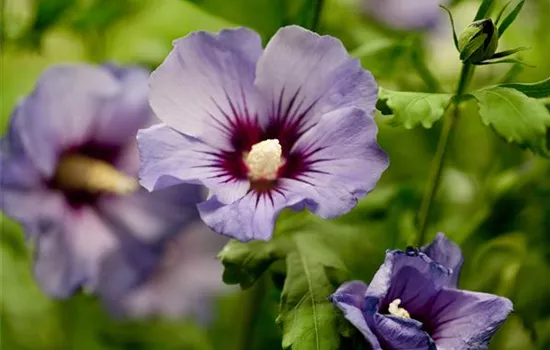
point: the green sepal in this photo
(455, 37)
(469, 52)
(508, 60)
(508, 52)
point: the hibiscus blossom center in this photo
(264, 160)
(76, 172)
(395, 310)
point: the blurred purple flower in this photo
(183, 282)
(69, 162)
(288, 126)
(411, 305)
(406, 14)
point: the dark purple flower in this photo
(69, 162)
(288, 126)
(409, 305)
(406, 14)
(184, 280)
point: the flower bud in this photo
(478, 42)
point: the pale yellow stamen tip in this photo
(264, 160)
(81, 173)
(395, 310)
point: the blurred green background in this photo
(494, 199)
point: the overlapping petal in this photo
(466, 320)
(166, 152)
(410, 276)
(401, 333)
(350, 298)
(127, 112)
(251, 217)
(69, 252)
(181, 271)
(205, 86)
(342, 159)
(303, 76)
(446, 253)
(181, 285)
(62, 111)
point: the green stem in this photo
(434, 177)
(419, 62)
(317, 14)
(465, 77)
(250, 309)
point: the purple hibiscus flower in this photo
(290, 125)
(411, 303)
(69, 164)
(406, 14)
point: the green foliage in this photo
(502, 226)
(316, 258)
(410, 109)
(47, 14)
(245, 262)
(539, 89)
(29, 318)
(269, 15)
(307, 317)
(508, 20)
(515, 117)
(484, 9)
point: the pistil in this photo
(76, 172)
(395, 310)
(264, 160)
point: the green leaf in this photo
(307, 318)
(499, 17)
(539, 89)
(268, 15)
(410, 109)
(245, 262)
(515, 117)
(510, 18)
(484, 9)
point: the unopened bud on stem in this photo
(478, 42)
